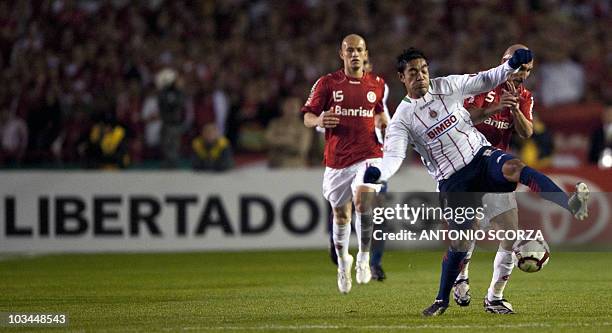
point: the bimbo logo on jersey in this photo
(361, 112)
(442, 126)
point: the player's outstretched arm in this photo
(396, 143)
(470, 85)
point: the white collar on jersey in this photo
(409, 99)
(425, 98)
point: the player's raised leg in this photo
(514, 170)
(341, 235)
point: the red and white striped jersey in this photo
(438, 126)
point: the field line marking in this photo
(402, 327)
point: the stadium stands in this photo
(67, 64)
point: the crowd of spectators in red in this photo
(68, 65)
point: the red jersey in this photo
(498, 127)
(355, 102)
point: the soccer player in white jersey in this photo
(497, 114)
(348, 104)
(433, 120)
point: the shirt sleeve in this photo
(474, 84)
(379, 108)
(380, 105)
(477, 101)
(394, 151)
(377, 130)
(384, 101)
(318, 101)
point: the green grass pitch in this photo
(281, 291)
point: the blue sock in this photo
(378, 249)
(332, 248)
(451, 266)
(548, 190)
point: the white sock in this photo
(463, 275)
(363, 256)
(502, 268)
(363, 229)
(342, 234)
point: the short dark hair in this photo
(408, 55)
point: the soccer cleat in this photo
(377, 273)
(578, 202)
(461, 292)
(501, 306)
(344, 274)
(437, 308)
(363, 274)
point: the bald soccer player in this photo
(348, 104)
(498, 114)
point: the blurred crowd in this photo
(118, 83)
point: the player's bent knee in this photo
(507, 244)
(363, 198)
(358, 201)
(512, 169)
(342, 219)
(342, 215)
(360, 207)
(506, 221)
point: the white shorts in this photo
(496, 204)
(340, 185)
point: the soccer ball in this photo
(532, 255)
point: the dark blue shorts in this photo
(483, 174)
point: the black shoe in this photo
(436, 309)
(332, 253)
(501, 306)
(378, 273)
(461, 292)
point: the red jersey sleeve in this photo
(477, 101)
(318, 101)
(379, 107)
(526, 104)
